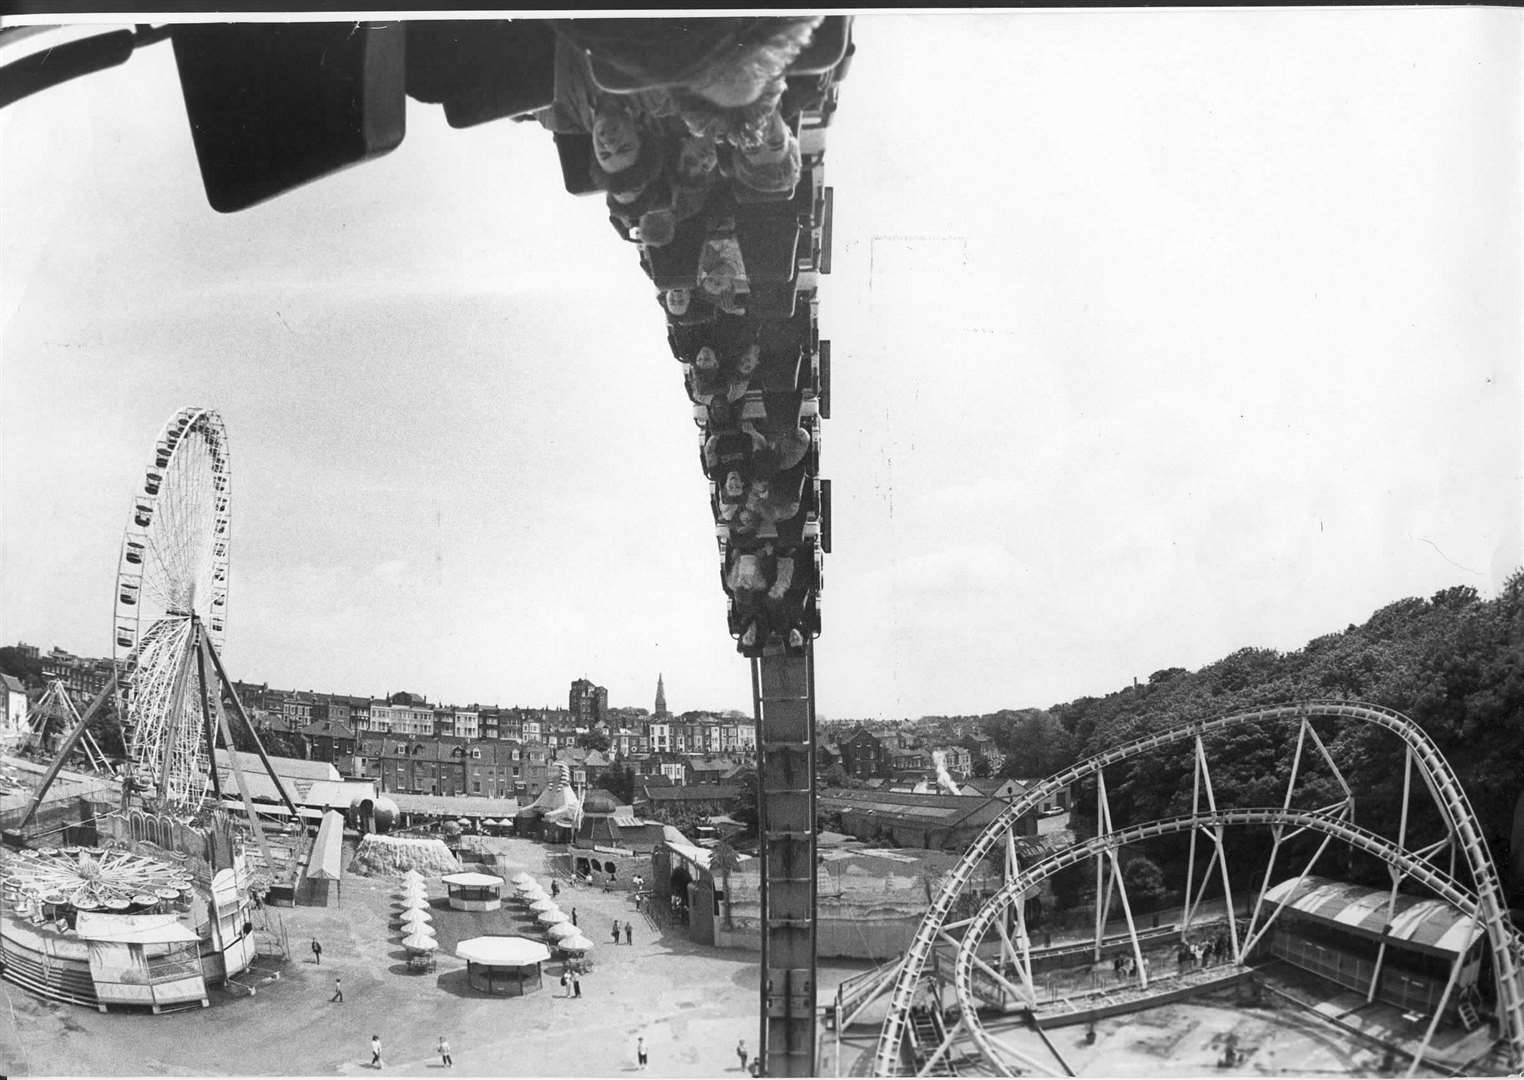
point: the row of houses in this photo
(444, 765)
(864, 755)
(331, 727)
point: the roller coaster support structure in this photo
(1476, 894)
(783, 689)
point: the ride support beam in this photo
(784, 691)
(237, 771)
(64, 749)
(249, 727)
(209, 726)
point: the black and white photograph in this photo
(762, 543)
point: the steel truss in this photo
(1483, 903)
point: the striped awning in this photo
(1428, 924)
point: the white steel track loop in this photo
(1433, 769)
(173, 570)
(1420, 870)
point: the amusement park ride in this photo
(276, 106)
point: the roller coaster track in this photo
(1446, 887)
(1486, 905)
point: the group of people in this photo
(698, 156)
(447, 1061)
(759, 405)
(1125, 967)
(679, 141)
(1200, 954)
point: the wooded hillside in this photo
(1453, 663)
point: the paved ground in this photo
(691, 1004)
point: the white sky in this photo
(1155, 334)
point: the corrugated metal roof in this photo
(1429, 924)
(453, 805)
(284, 766)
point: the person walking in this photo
(574, 916)
(742, 1054)
(444, 1052)
(629, 934)
(616, 931)
(640, 1052)
(555, 888)
(338, 991)
(317, 952)
(375, 1051)
(565, 983)
(576, 985)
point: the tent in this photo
(420, 941)
(326, 863)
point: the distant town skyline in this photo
(1220, 349)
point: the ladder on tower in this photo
(927, 1034)
(1465, 1008)
(783, 689)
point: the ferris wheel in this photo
(171, 594)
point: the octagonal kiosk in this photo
(474, 892)
(503, 965)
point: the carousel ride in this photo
(158, 904)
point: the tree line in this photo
(1452, 663)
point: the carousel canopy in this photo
(575, 943)
(523, 877)
(547, 904)
(553, 916)
(420, 942)
(416, 915)
(472, 881)
(502, 951)
(562, 930)
(415, 903)
(133, 929)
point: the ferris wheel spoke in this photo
(173, 573)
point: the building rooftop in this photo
(684, 793)
(468, 806)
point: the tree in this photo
(745, 810)
(724, 860)
(619, 781)
(18, 665)
(594, 740)
(1144, 881)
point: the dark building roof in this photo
(657, 793)
(945, 810)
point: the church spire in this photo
(661, 696)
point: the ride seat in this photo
(675, 266)
(481, 71)
(769, 246)
(772, 300)
(576, 153)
